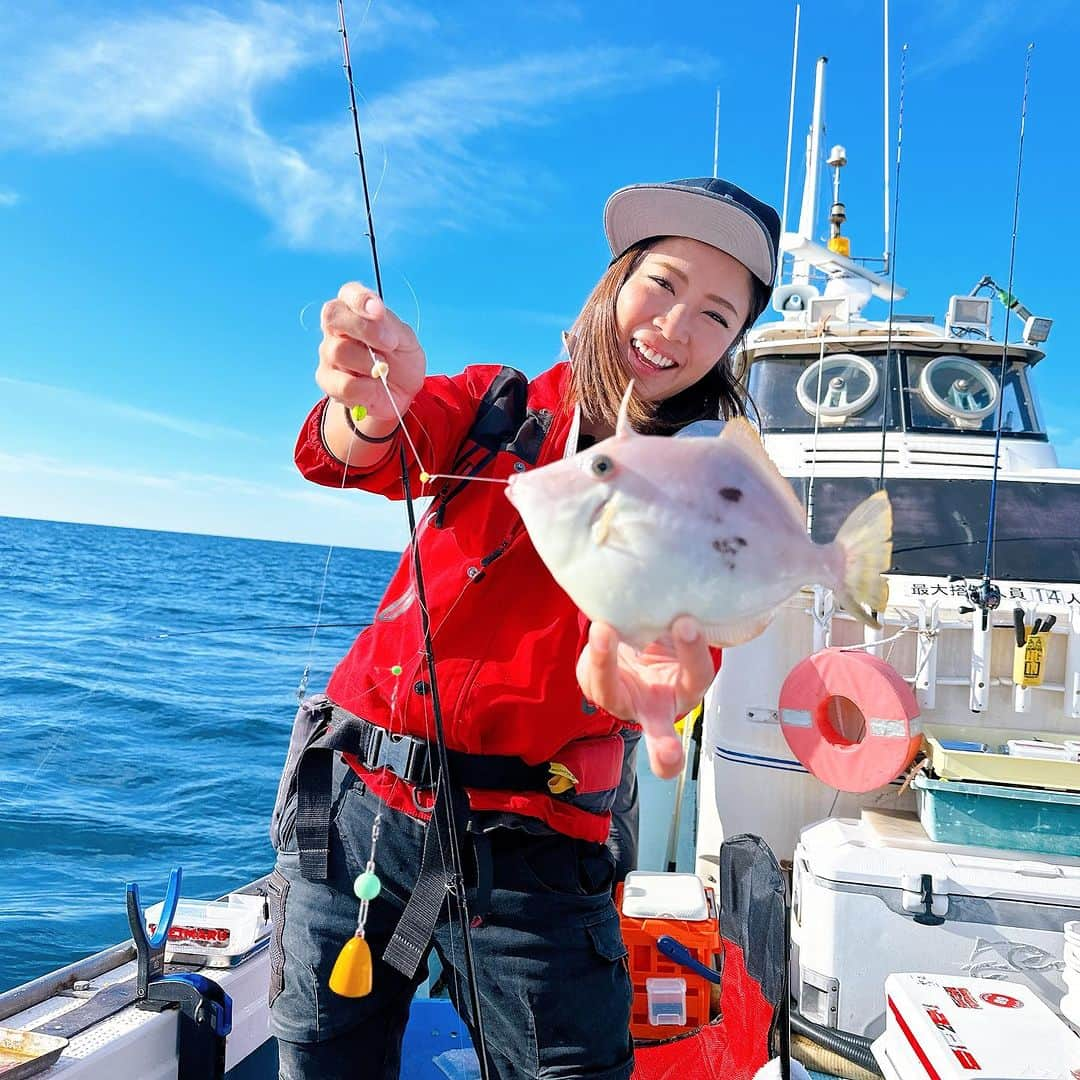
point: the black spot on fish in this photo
(729, 549)
(732, 494)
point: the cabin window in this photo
(962, 393)
(942, 392)
(846, 385)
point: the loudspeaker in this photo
(793, 299)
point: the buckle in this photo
(403, 755)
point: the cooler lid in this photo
(844, 850)
(958, 1027)
(649, 895)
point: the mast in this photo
(808, 214)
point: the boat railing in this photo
(66, 979)
(928, 621)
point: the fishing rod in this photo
(986, 595)
(455, 885)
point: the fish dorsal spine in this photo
(623, 427)
(740, 433)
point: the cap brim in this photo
(646, 210)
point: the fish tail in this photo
(865, 540)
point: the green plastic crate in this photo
(993, 815)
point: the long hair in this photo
(598, 374)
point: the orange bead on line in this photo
(351, 976)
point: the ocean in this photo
(123, 752)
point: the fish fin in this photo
(736, 632)
(865, 539)
(623, 425)
(741, 433)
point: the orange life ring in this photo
(833, 683)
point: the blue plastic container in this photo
(993, 815)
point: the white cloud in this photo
(969, 30)
(201, 78)
(95, 405)
(146, 72)
(45, 468)
(39, 486)
(8, 197)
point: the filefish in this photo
(640, 529)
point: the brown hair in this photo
(598, 375)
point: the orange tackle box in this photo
(669, 998)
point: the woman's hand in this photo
(654, 686)
(354, 326)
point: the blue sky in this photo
(178, 194)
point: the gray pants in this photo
(551, 966)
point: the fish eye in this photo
(601, 466)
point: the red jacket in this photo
(506, 638)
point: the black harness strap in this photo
(414, 930)
(406, 757)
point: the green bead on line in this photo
(396, 669)
(367, 886)
(358, 412)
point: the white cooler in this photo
(954, 1028)
(875, 897)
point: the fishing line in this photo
(455, 883)
(887, 366)
(992, 516)
(817, 425)
(253, 629)
(416, 301)
(380, 370)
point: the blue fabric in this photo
(549, 955)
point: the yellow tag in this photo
(692, 717)
(1028, 661)
(561, 779)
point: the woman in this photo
(533, 700)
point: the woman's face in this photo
(678, 313)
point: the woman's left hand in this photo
(654, 686)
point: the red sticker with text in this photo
(1002, 1001)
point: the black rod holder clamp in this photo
(205, 1009)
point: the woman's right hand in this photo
(354, 326)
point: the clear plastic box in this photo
(667, 1002)
(217, 932)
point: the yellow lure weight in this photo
(351, 976)
(358, 413)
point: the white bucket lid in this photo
(650, 895)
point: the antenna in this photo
(716, 137)
(891, 263)
(790, 127)
(885, 127)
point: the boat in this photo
(845, 403)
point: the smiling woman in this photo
(671, 309)
(524, 694)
